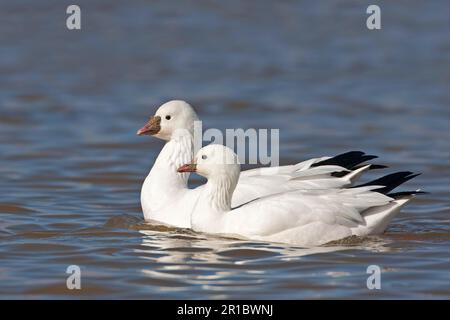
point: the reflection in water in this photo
(211, 262)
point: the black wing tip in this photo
(372, 166)
(414, 175)
(398, 195)
(368, 157)
(353, 153)
(377, 166)
(390, 181)
(348, 160)
(340, 174)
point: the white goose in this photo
(165, 196)
(299, 217)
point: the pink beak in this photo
(190, 167)
(153, 126)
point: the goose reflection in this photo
(214, 262)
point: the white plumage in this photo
(165, 196)
(300, 217)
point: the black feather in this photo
(397, 195)
(390, 181)
(372, 166)
(340, 174)
(346, 160)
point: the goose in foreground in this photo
(299, 217)
(166, 198)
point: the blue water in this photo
(71, 165)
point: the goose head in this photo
(171, 118)
(215, 162)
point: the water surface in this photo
(71, 165)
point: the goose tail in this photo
(377, 219)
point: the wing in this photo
(336, 208)
(318, 173)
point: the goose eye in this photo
(204, 157)
(168, 117)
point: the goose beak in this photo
(190, 167)
(153, 126)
